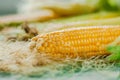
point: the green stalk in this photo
(48, 27)
(93, 16)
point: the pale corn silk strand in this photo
(81, 42)
(16, 57)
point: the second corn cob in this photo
(80, 42)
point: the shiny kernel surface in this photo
(89, 41)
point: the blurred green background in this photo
(9, 6)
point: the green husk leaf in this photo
(114, 48)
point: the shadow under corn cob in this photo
(81, 42)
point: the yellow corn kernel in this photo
(78, 42)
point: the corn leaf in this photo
(114, 48)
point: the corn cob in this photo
(78, 42)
